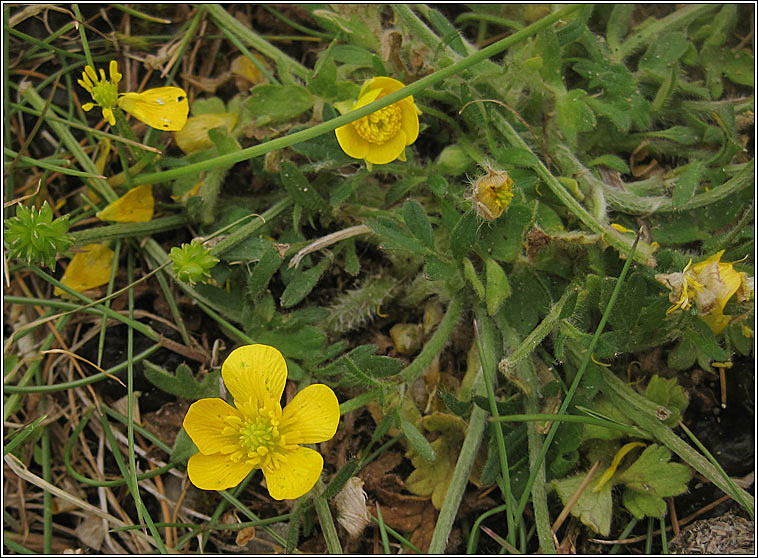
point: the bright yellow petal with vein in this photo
(381, 153)
(312, 416)
(297, 476)
(410, 121)
(164, 108)
(89, 268)
(386, 84)
(256, 372)
(351, 142)
(204, 422)
(136, 206)
(215, 472)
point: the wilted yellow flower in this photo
(136, 206)
(104, 92)
(164, 108)
(256, 432)
(382, 136)
(492, 193)
(194, 136)
(710, 284)
(89, 268)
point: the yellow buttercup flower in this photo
(164, 108)
(136, 206)
(709, 284)
(89, 268)
(382, 136)
(104, 92)
(256, 432)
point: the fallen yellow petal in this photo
(89, 268)
(136, 206)
(606, 476)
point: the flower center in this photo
(105, 94)
(380, 126)
(255, 437)
(258, 435)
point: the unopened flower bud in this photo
(192, 262)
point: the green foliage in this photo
(417, 440)
(270, 103)
(650, 479)
(669, 394)
(182, 383)
(594, 509)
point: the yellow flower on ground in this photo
(164, 108)
(136, 206)
(104, 92)
(256, 432)
(382, 136)
(89, 268)
(194, 136)
(710, 284)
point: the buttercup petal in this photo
(381, 153)
(90, 72)
(86, 83)
(109, 117)
(297, 476)
(136, 206)
(367, 98)
(255, 372)
(86, 107)
(204, 422)
(351, 142)
(89, 268)
(216, 472)
(115, 75)
(386, 84)
(312, 416)
(410, 121)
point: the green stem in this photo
(538, 334)
(631, 203)
(129, 230)
(535, 441)
(101, 186)
(325, 519)
(359, 401)
(248, 229)
(330, 125)
(226, 21)
(643, 255)
(578, 378)
(47, 165)
(462, 472)
(660, 27)
(82, 34)
(595, 421)
(10, 404)
(486, 348)
(49, 388)
(94, 482)
(642, 411)
(434, 346)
